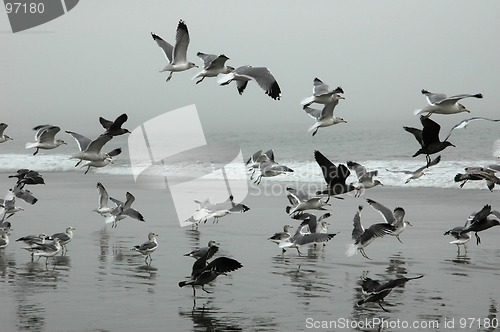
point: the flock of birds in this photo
(312, 230)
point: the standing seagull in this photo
(198, 253)
(148, 247)
(439, 103)
(64, 238)
(280, 238)
(4, 238)
(4, 138)
(46, 250)
(363, 237)
(335, 177)
(261, 75)
(395, 218)
(481, 221)
(428, 137)
(213, 66)
(324, 117)
(460, 237)
(45, 138)
(322, 94)
(376, 292)
(176, 55)
(114, 128)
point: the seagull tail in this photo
(30, 145)
(196, 76)
(109, 219)
(352, 249)
(225, 79)
(313, 127)
(183, 283)
(418, 112)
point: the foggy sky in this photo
(100, 60)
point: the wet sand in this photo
(101, 285)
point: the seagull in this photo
(90, 150)
(314, 224)
(45, 138)
(32, 241)
(64, 238)
(363, 237)
(103, 163)
(439, 103)
(253, 163)
(268, 167)
(478, 173)
(315, 203)
(365, 178)
(460, 237)
(395, 218)
(280, 238)
(213, 66)
(123, 210)
(323, 95)
(209, 210)
(261, 75)
(46, 250)
(26, 176)
(203, 273)
(335, 176)
(24, 194)
(303, 236)
(4, 138)
(464, 123)
(114, 128)
(8, 206)
(148, 247)
(419, 171)
(4, 238)
(301, 194)
(323, 117)
(428, 137)
(481, 221)
(103, 209)
(176, 55)
(198, 253)
(376, 291)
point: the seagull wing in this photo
(417, 133)
(384, 211)
(430, 133)
(181, 43)
(330, 172)
(313, 112)
(83, 142)
(97, 144)
(263, 77)
(166, 47)
(358, 228)
(454, 99)
(48, 133)
(464, 123)
(433, 98)
(103, 195)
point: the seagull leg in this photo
(397, 237)
(458, 250)
(362, 251)
(478, 239)
(314, 133)
(202, 78)
(194, 291)
(78, 163)
(380, 304)
(34, 153)
(203, 287)
(298, 251)
(169, 76)
(88, 169)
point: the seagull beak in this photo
(409, 223)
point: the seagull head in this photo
(462, 108)
(192, 65)
(61, 142)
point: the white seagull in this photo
(176, 55)
(365, 178)
(322, 94)
(123, 210)
(395, 218)
(103, 209)
(4, 138)
(90, 150)
(148, 247)
(440, 103)
(261, 75)
(419, 171)
(45, 138)
(324, 117)
(213, 66)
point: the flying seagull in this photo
(261, 75)
(213, 66)
(323, 117)
(322, 94)
(439, 103)
(45, 138)
(176, 55)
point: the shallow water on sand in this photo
(101, 285)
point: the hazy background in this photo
(99, 59)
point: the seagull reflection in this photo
(209, 318)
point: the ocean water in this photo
(383, 147)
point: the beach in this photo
(102, 285)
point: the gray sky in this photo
(99, 59)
